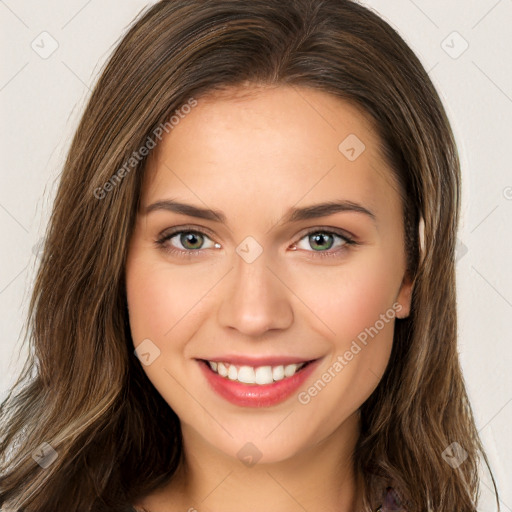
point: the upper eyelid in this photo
(170, 232)
(343, 233)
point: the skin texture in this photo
(253, 157)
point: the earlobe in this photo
(404, 297)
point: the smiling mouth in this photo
(259, 376)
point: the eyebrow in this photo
(292, 215)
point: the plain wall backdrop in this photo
(52, 52)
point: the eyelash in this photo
(161, 242)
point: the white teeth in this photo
(278, 372)
(245, 374)
(221, 370)
(232, 372)
(261, 375)
(289, 370)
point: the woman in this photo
(256, 368)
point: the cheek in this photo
(165, 299)
(356, 305)
(349, 299)
(365, 298)
(148, 296)
(163, 305)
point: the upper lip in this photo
(259, 361)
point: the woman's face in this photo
(259, 288)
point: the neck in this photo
(319, 478)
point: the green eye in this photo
(321, 241)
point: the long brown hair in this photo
(84, 393)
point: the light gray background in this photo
(42, 98)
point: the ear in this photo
(404, 297)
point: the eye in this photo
(184, 242)
(321, 241)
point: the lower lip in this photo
(255, 395)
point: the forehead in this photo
(263, 146)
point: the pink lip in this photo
(254, 395)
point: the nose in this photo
(255, 298)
